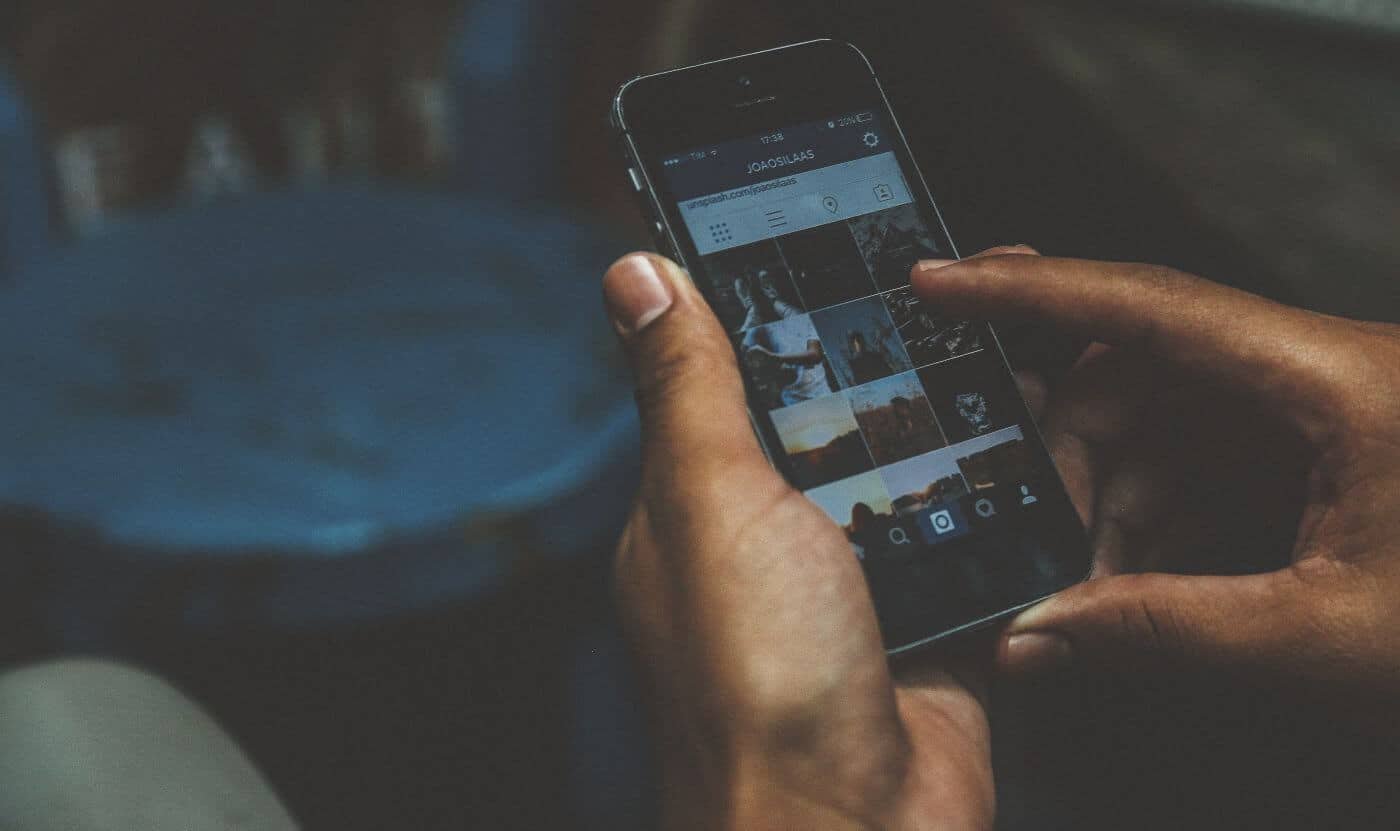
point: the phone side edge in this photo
(664, 234)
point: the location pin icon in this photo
(830, 203)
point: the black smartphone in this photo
(781, 181)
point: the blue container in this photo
(387, 399)
(24, 209)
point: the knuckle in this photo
(1156, 627)
(1141, 618)
(981, 267)
(1165, 281)
(1348, 376)
(1009, 250)
(675, 369)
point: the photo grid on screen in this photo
(882, 406)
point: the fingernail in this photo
(636, 294)
(933, 265)
(1033, 618)
(1038, 652)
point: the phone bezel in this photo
(680, 109)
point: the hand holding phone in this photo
(732, 625)
(774, 703)
(781, 181)
(756, 634)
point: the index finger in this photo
(1283, 356)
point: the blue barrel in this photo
(386, 399)
(24, 209)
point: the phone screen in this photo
(903, 425)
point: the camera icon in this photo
(942, 522)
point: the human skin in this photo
(1318, 399)
(773, 702)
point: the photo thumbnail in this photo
(972, 396)
(891, 241)
(861, 506)
(1000, 460)
(786, 362)
(926, 338)
(822, 441)
(826, 266)
(896, 419)
(917, 483)
(750, 286)
(861, 342)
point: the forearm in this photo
(838, 783)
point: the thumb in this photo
(689, 391)
(1248, 622)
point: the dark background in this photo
(1256, 149)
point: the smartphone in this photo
(781, 181)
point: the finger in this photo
(1033, 390)
(1284, 356)
(1083, 417)
(994, 251)
(1130, 528)
(965, 662)
(1094, 409)
(1102, 398)
(1232, 623)
(1002, 250)
(689, 392)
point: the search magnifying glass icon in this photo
(898, 536)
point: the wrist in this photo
(756, 806)
(763, 792)
(764, 804)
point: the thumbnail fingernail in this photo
(931, 265)
(636, 294)
(1038, 651)
(1038, 617)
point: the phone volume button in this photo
(663, 241)
(635, 178)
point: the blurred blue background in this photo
(309, 401)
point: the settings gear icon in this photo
(870, 139)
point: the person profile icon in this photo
(1028, 498)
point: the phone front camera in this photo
(745, 81)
